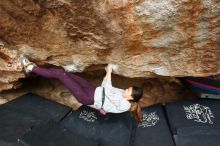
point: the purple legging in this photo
(79, 87)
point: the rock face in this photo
(146, 38)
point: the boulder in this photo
(145, 38)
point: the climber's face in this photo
(127, 94)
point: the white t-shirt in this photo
(114, 101)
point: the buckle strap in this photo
(103, 97)
(103, 101)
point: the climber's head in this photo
(133, 93)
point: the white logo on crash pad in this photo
(199, 113)
(88, 116)
(149, 120)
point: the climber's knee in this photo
(58, 72)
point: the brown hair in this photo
(137, 93)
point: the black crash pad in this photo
(37, 106)
(108, 130)
(199, 112)
(20, 115)
(53, 134)
(154, 130)
(204, 87)
(198, 136)
(204, 93)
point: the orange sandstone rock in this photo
(146, 38)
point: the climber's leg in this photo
(84, 95)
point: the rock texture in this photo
(146, 38)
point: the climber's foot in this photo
(26, 64)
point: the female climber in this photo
(105, 98)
